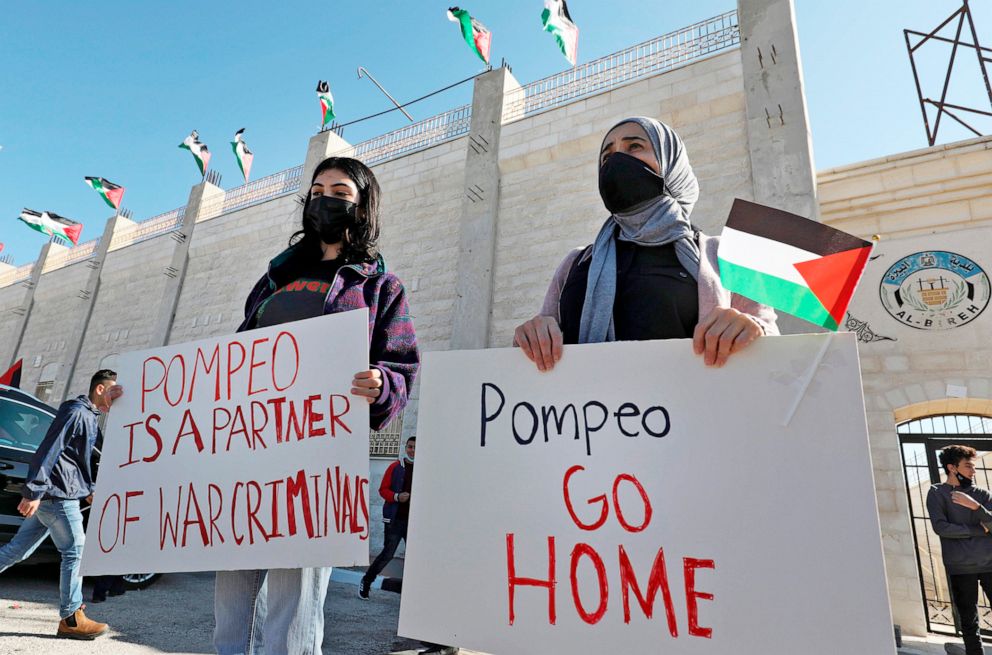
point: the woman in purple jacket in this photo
(332, 265)
(649, 274)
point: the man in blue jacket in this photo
(62, 472)
(961, 515)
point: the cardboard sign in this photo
(239, 452)
(635, 501)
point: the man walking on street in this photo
(61, 473)
(395, 490)
(961, 517)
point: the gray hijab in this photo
(662, 220)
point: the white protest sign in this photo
(634, 501)
(238, 452)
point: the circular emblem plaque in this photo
(935, 290)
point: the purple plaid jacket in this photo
(392, 341)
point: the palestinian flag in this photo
(476, 35)
(200, 152)
(12, 378)
(326, 101)
(791, 263)
(242, 152)
(556, 20)
(52, 225)
(110, 192)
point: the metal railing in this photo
(429, 132)
(71, 256)
(15, 275)
(263, 189)
(642, 60)
(147, 229)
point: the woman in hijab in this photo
(649, 274)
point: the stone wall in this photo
(936, 199)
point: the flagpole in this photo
(807, 379)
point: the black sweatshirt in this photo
(965, 545)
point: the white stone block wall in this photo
(131, 288)
(937, 198)
(56, 312)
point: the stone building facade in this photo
(480, 203)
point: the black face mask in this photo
(963, 481)
(331, 217)
(626, 181)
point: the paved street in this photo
(175, 615)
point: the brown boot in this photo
(77, 626)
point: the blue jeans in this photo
(64, 521)
(275, 612)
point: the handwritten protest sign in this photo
(635, 501)
(238, 452)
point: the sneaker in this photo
(77, 626)
(954, 649)
(363, 589)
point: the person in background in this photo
(395, 488)
(961, 515)
(62, 472)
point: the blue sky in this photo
(112, 89)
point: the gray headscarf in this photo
(664, 219)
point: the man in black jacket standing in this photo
(62, 473)
(961, 517)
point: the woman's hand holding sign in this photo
(367, 384)
(722, 333)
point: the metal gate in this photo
(921, 441)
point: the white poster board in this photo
(760, 538)
(239, 452)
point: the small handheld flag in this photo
(791, 263)
(199, 150)
(556, 19)
(326, 102)
(12, 378)
(242, 152)
(110, 192)
(52, 225)
(476, 35)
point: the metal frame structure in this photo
(963, 15)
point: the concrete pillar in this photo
(480, 206)
(88, 290)
(323, 145)
(23, 310)
(205, 198)
(779, 139)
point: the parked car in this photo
(24, 420)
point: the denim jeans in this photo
(395, 532)
(63, 519)
(275, 612)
